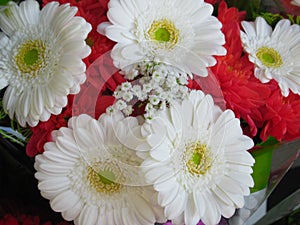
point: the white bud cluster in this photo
(154, 84)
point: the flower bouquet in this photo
(140, 112)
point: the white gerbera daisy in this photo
(180, 33)
(91, 178)
(201, 169)
(41, 56)
(276, 54)
(296, 2)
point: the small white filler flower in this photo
(276, 54)
(91, 178)
(41, 56)
(201, 168)
(183, 34)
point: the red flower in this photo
(41, 133)
(25, 220)
(243, 93)
(229, 16)
(9, 220)
(281, 116)
(94, 11)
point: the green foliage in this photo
(4, 2)
(271, 18)
(11, 137)
(263, 160)
(294, 218)
(294, 19)
(2, 113)
(13, 131)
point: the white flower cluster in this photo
(153, 83)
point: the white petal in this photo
(73, 212)
(199, 202)
(142, 208)
(88, 215)
(174, 209)
(212, 214)
(191, 216)
(54, 184)
(29, 12)
(64, 201)
(243, 178)
(166, 197)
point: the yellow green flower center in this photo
(269, 57)
(164, 32)
(199, 158)
(30, 57)
(103, 181)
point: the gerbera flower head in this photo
(182, 34)
(40, 58)
(276, 54)
(91, 178)
(201, 168)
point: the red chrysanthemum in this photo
(281, 116)
(243, 93)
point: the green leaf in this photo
(263, 161)
(4, 2)
(262, 167)
(12, 137)
(271, 141)
(11, 129)
(3, 114)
